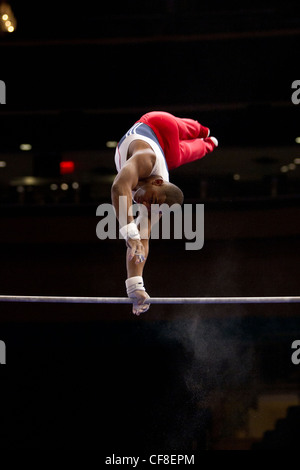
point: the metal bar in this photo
(153, 300)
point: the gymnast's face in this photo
(150, 193)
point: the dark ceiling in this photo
(78, 76)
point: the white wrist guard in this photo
(134, 283)
(130, 231)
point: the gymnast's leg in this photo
(183, 140)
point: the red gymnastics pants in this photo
(181, 139)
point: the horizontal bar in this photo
(153, 300)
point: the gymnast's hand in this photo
(139, 297)
(136, 248)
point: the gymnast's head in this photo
(155, 190)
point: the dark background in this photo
(178, 377)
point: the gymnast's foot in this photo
(204, 132)
(214, 140)
(212, 143)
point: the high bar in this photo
(153, 300)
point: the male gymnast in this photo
(156, 143)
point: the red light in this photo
(66, 167)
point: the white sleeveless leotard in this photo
(141, 131)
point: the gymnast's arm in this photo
(139, 166)
(136, 269)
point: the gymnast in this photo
(156, 143)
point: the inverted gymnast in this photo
(156, 143)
